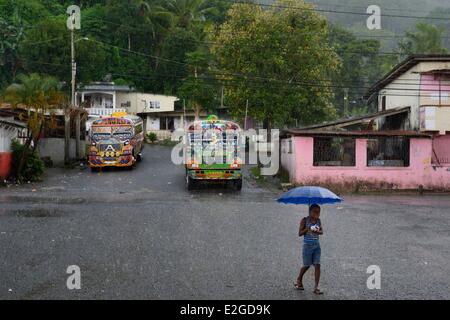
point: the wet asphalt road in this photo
(140, 234)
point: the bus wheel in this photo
(95, 169)
(238, 185)
(189, 183)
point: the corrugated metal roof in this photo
(324, 133)
(354, 120)
(12, 123)
(106, 87)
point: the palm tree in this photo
(39, 96)
(185, 12)
(196, 89)
(155, 16)
(140, 16)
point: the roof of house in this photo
(12, 123)
(106, 86)
(8, 106)
(335, 128)
(358, 119)
(353, 134)
(404, 66)
(111, 87)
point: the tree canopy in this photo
(279, 60)
(292, 63)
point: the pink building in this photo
(404, 145)
(363, 160)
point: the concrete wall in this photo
(419, 173)
(288, 157)
(407, 96)
(5, 138)
(54, 148)
(441, 148)
(153, 123)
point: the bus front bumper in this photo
(226, 174)
(122, 161)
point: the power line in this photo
(277, 6)
(137, 52)
(361, 52)
(232, 83)
(224, 73)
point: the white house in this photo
(104, 98)
(422, 83)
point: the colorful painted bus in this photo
(212, 150)
(116, 141)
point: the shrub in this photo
(168, 143)
(152, 137)
(33, 167)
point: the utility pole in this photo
(346, 111)
(67, 134)
(73, 22)
(221, 98)
(184, 113)
(246, 113)
(74, 100)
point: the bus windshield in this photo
(107, 132)
(122, 135)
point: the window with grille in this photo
(388, 152)
(334, 152)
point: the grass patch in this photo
(283, 175)
(255, 173)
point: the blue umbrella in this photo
(309, 195)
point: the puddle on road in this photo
(41, 200)
(31, 213)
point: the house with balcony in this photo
(102, 99)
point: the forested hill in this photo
(398, 16)
(390, 23)
(416, 8)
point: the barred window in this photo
(388, 152)
(334, 152)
